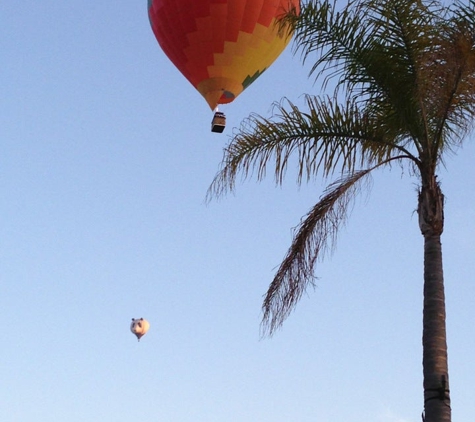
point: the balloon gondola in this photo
(219, 122)
(220, 46)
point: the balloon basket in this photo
(218, 123)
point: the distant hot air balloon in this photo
(139, 327)
(220, 46)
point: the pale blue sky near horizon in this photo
(106, 157)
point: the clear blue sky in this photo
(105, 159)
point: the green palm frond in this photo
(325, 138)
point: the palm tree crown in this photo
(404, 78)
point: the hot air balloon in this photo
(139, 327)
(220, 46)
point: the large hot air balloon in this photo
(220, 46)
(139, 327)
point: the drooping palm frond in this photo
(325, 138)
(314, 237)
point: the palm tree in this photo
(404, 78)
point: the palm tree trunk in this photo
(434, 340)
(435, 366)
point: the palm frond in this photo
(315, 236)
(401, 33)
(330, 35)
(325, 138)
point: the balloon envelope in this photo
(220, 46)
(139, 327)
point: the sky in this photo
(106, 156)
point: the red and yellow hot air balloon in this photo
(220, 46)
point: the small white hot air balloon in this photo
(139, 327)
